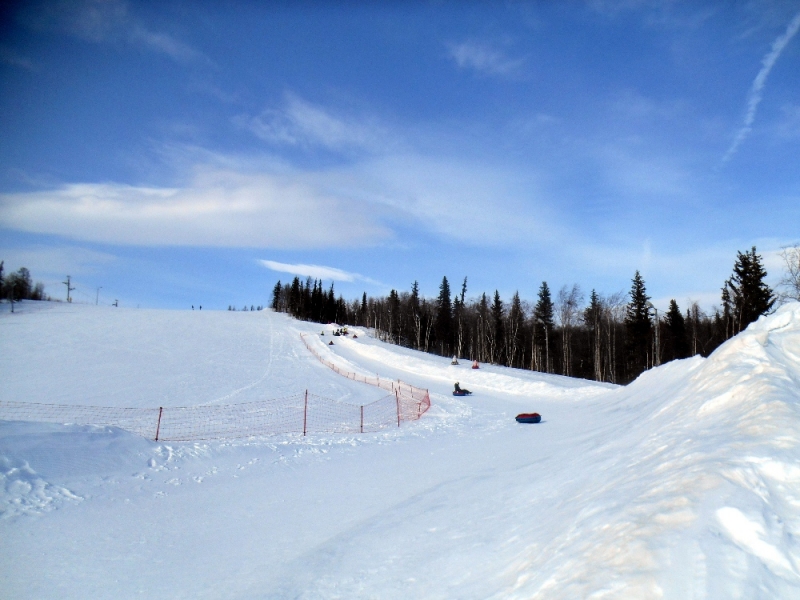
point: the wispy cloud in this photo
(316, 271)
(14, 59)
(301, 123)
(483, 58)
(244, 203)
(467, 201)
(754, 97)
(57, 261)
(789, 126)
(100, 21)
(217, 208)
(164, 44)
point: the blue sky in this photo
(178, 153)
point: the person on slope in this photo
(460, 390)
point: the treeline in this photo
(19, 286)
(609, 338)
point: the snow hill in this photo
(683, 484)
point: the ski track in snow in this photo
(684, 484)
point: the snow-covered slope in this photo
(684, 484)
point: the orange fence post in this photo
(397, 397)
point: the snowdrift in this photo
(685, 483)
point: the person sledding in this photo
(459, 391)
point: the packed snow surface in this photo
(683, 484)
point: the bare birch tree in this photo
(567, 307)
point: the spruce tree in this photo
(276, 297)
(444, 318)
(498, 347)
(330, 306)
(458, 317)
(677, 344)
(727, 312)
(394, 316)
(543, 316)
(592, 318)
(415, 315)
(637, 326)
(751, 297)
(295, 298)
(483, 331)
(363, 311)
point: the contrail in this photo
(758, 85)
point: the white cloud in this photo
(754, 97)
(275, 206)
(55, 261)
(465, 201)
(638, 175)
(14, 59)
(789, 126)
(217, 208)
(483, 58)
(165, 44)
(315, 271)
(100, 21)
(301, 123)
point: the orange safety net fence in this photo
(413, 401)
(304, 413)
(300, 413)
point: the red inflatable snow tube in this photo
(529, 418)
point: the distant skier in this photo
(454, 361)
(475, 365)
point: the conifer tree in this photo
(444, 317)
(498, 331)
(363, 310)
(637, 326)
(394, 316)
(330, 306)
(751, 297)
(415, 314)
(727, 312)
(543, 318)
(295, 294)
(483, 332)
(592, 317)
(276, 296)
(677, 344)
(458, 311)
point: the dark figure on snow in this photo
(461, 390)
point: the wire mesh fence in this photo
(300, 413)
(304, 413)
(416, 400)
